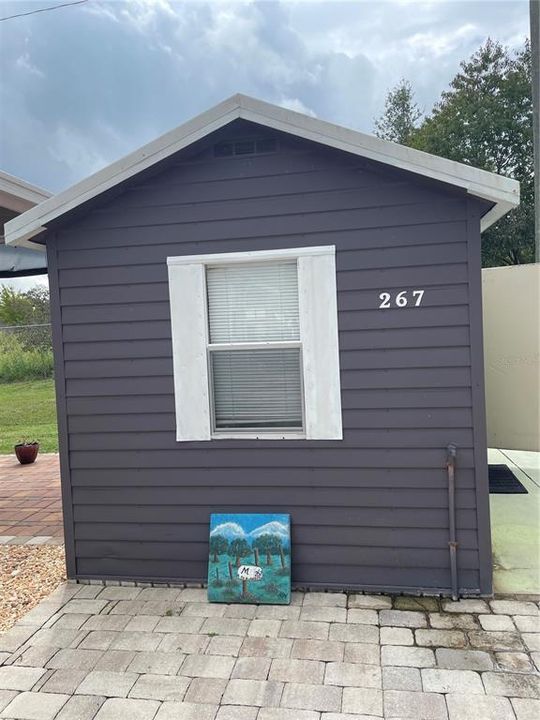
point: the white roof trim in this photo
(495, 188)
(19, 196)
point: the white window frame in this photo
(317, 299)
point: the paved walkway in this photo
(90, 652)
(30, 504)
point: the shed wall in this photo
(370, 511)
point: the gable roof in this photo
(503, 192)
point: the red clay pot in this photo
(26, 453)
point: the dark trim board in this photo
(61, 408)
(479, 401)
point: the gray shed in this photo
(261, 311)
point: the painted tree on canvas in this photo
(270, 545)
(218, 546)
(238, 549)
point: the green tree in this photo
(268, 544)
(218, 545)
(24, 308)
(30, 308)
(401, 115)
(238, 549)
(485, 120)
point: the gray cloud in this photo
(82, 86)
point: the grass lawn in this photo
(28, 411)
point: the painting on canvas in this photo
(249, 558)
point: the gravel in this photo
(28, 573)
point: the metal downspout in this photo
(451, 452)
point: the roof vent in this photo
(245, 147)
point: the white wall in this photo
(511, 298)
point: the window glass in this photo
(257, 389)
(253, 302)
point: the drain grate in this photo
(502, 481)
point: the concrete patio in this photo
(515, 526)
(93, 652)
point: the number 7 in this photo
(418, 294)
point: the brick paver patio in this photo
(30, 504)
(90, 652)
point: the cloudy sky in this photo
(83, 85)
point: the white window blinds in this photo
(255, 302)
(256, 387)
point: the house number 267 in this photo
(401, 299)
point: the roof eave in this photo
(504, 192)
(19, 195)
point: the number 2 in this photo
(385, 297)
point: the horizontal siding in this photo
(401, 478)
(220, 229)
(375, 511)
(429, 275)
(353, 259)
(361, 439)
(185, 190)
(166, 243)
(327, 517)
(384, 419)
(303, 554)
(264, 228)
(306, 535)
(269, 496)
(262, 454)
(268, 207)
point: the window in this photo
(255, 347)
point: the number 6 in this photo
(401, 298)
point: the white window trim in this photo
(255, 255)
(317, 297)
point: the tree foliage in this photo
(24, 308)
(401, 115)
(268, 544)
(484, 119)
(29, 308)
(239, 548)
(218, 545)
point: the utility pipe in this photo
(451, 452)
